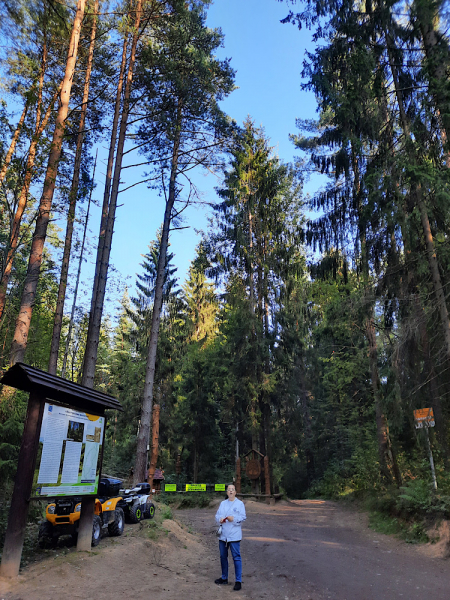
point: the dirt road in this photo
(315, 550)
(304, 550)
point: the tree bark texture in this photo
(14, 140)
(57, 324)
(385, 453)
(109, 173)
(19, 343)
(147, 400)
(90, 356)
(77, 282)
(155, 445)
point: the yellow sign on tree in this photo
(196, 487)
(424, 417)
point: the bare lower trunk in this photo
(147, 400)
(195, 473)
(386, 454)
(57, 324)
(155, 446)
(19, 343)
(90, 357)
(306, 420)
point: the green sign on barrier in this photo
(196, 487)
(219, 487)
(170, 487)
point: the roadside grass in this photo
(412, 533)
(397, 512)
(408, 512)
(153, 529)
(187, 500)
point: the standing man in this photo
(231, 515)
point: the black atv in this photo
(136, 503)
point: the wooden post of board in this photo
(238, 475)
(84, 541)
(267, 475)
(17, 521)
(155, 443)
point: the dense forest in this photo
(310, 326)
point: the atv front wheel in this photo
(136, 513)
(45, 535)
(116, 526)
(149, 510)
(96, 530)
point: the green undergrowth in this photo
(154, 528)
(186, 500)
(408, 511)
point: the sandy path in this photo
(305, 550)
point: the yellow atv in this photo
(62, 518)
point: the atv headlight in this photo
(78, 507)
(51, 509)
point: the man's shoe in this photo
(221, 581)
(237, 586)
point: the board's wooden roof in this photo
(29, 379)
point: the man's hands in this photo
(230, 518)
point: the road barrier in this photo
(195, 487)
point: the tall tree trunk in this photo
(14, 140)
(306, 419)
(417, 198)
(437, 61)
(195, 468)
(57, 324)
(29, 293)
(77, 282)
(23, 197)
(155, 446)
(435, 399)
(95, 319)
(385, 453)
(109, 173)
(147, 400)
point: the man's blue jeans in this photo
(236, 554)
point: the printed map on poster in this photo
(68, 460)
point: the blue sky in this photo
(267, 56)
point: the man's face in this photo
(231, 492)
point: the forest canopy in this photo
(310, 325)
